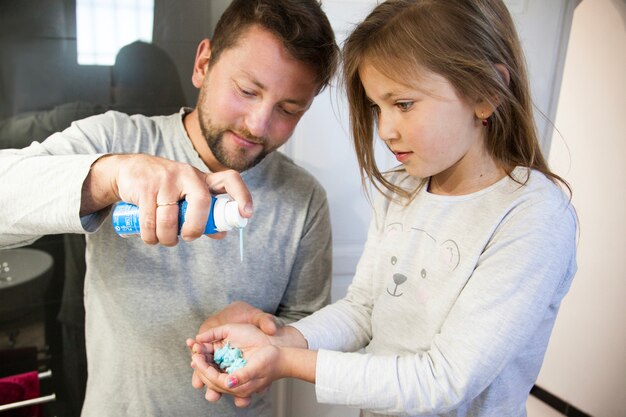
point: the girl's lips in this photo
(402, 156)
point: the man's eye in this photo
(289, 112)
(245, 92)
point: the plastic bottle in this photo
(223, 216)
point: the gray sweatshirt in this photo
(142, 301)
(453, 301)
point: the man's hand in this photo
(154, 184)
(241, 312)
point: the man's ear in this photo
(201, 64)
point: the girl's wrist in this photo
(297, 363)
(288, 336)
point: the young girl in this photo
(472, 243)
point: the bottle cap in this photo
(226, 215)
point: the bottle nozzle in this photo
(233, 218)
(226, 215)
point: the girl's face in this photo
(430, 129)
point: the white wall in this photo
(586, 359)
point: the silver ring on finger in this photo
(169, 203)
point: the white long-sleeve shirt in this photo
(454, 300)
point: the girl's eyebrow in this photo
(389, 95)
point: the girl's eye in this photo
(404, 105)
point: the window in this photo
(104, 26)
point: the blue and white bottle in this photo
(223, 216)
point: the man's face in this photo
(251, 100)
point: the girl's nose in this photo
(386, 127)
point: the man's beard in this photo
(214, 137)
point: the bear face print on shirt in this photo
(415, 286)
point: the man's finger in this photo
(212, 396)
(242, 402)
(266, 322)
(230, 182)
(196, 381)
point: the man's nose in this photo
(259, 119)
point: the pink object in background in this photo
(19, 388)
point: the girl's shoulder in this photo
(534, 186)
(533, 198)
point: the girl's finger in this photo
(213, 335)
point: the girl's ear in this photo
(484, 109)
(201, 64)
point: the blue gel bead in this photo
(229, 359)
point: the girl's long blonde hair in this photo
(461, 40)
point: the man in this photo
(257, 76)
